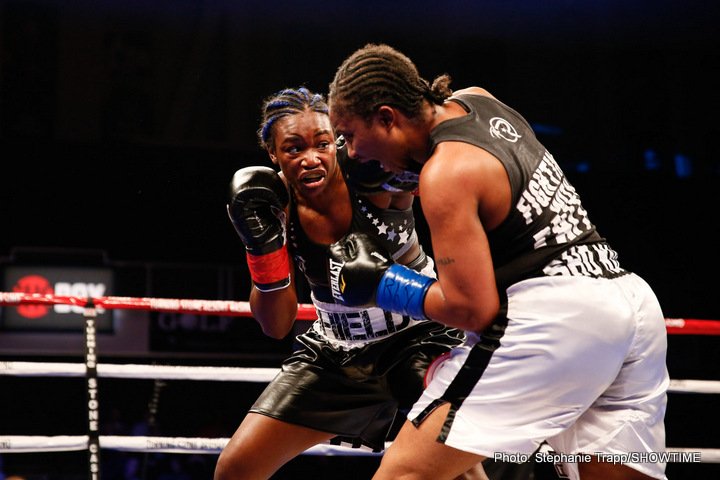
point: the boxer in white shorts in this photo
(560, 375)
(564, 345)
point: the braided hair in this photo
(287, 102)
(378, 75)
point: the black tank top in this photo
(395, 229)
(547, 232)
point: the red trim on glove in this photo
(269, 268)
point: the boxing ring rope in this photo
(223, 374)
(23, 443)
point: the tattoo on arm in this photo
(446, 260)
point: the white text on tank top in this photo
(549, 189)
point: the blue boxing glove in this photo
(362, 274)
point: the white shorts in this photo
(581, 364)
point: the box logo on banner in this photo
(62, 281)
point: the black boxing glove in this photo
(256, 208)
(369, 177)
(362, 273)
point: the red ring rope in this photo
(175, 305)
(675, 326)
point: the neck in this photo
(433, 115)
(419, 134)
(446, 111)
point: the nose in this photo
(352, 153)
(311, 160)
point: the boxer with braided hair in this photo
(374, 79)
(356, 367)
(563, 344)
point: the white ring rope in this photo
(153, 372)
(25, 443)
(223, 374)
(200, 445)
(694, 386)
(66, 443)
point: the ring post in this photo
(91, 378)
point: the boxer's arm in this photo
(275, 310)
(369, 177)
(362, 273)
(465, 295)
(257, 209)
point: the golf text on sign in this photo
(83, 282)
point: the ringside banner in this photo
(86, 282)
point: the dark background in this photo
(121, 123)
